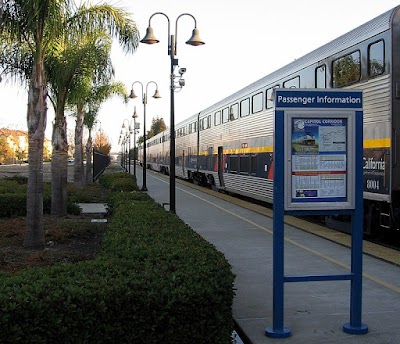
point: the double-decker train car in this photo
(229, 145)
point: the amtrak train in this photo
(229, 145)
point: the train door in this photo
(221, 166)
(209, 163)
(183, 162)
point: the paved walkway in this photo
(314, 311)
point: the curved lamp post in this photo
(127, 138)
(172, 48)
(121, 142)
(134, 129)
(144, 101)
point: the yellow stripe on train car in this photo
(377, 143)
(370, 143)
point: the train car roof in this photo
(365, 31)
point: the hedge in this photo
(14, 204)
(154, 280)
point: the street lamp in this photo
(121, 142)
(144, 101)
(172, 49)
(128, 138)
(136, 126)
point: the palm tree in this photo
(35, 24)
(89, 121)
(70, 61)
(90, 95)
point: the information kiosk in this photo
(318, 156)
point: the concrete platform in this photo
(93, 208)
(314, 311)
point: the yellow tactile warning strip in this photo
(381, 252)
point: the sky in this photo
(244, 41)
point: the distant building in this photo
(17, 140)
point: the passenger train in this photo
(229, 145)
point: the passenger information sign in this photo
(318, 164)
(319, 159)
(318, 147)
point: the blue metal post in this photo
(355, 326)
(278, 330)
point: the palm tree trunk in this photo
(89, 149)
(36, 118)
(79, 172)
(59, 164)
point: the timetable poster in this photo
(319, 166)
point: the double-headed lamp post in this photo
(144, 101)
(121, 142)
(136, 126)
(172, 48)
(127, 137)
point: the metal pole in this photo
(129, 151)
(174, 62)
(144, 187)
(126, 154)
(134, 147)
(123, 154)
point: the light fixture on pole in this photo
(122, 152)
(134, 129)
(172, 49)
(127, 138)
(144, 101)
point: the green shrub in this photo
(119, 181)
(14, 204)
(155, 280)
(90, 193)
(19, 179)
(9, 185)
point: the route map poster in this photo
(319, 159)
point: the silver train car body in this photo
(229, 145)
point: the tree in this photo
(90, 94)
(28, 28)
(6, 153)
(157, 126)
(69, 61)
(89, 121)
(102, 143)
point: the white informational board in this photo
(319, 156)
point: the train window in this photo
(245, 107)
(376, 58)
(269, 95)
(234, 112)
(217, 118)
(346, 70)
(320, 77)
(257, 102)
(253, 164)
(203, 123)
(244, 164)
(292, 83)
(225, 115)
(233, 164)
